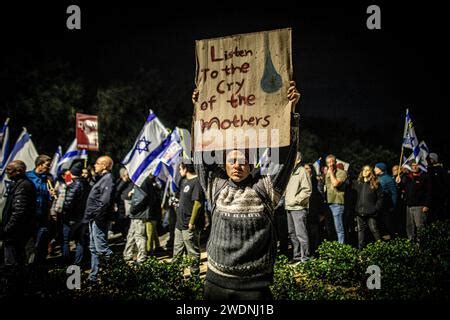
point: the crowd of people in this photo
(250, 217)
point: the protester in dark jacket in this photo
(121, 207)
(72, 214)
(98, 213)
(153, 202)
(18, 214)
(417, 187)
(369, 203)
(144, 209)
(440, 181)
(389, 189)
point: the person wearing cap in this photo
(389, 190)
(417, 187)
(440, 181)
(72, 214)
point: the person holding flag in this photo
(40, 177)
(417, 187)
(4, 145)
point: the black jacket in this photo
(146, 202)
(99, 205)
(418, 189)
(19, 211)
(369, 201)
(75, 200)
(440, 181)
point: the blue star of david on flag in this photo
(142, 145)
(143, 155)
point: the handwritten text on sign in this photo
(242, 82)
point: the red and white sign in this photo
(87, 132)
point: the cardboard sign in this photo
(242, 82)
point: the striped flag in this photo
(142, 158)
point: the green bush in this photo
(435, 238)
(292, 283)
(337, 264)
(152, 280)
(406, 272)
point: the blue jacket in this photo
(43, 198)
(389, 187)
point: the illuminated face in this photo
(85, 173)
(100, 165)
(44, 167)
(331, 162)
(366, 171)
(237, 166)
(414, 167)
(308, 169)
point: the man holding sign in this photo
(242, 245)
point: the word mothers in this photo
(236, 122)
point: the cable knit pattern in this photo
(242, 237)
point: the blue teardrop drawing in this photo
(271, 81)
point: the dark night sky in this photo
(343, 69)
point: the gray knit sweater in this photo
(242, 245)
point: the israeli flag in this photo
(142, 159)
(24, 150)
(410, 140)
(421, 157)
(72, 154)
(54, 166)
(169, 159)
(316, 166)
(4, 145)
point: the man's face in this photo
(414, 167)
(395, 170)
(44, 167)
(237, 167)
(183, 171)
(377, 171)
(331, 163)
(11, 172)
(100, 165)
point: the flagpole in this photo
(51, 188)
(401, 153)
